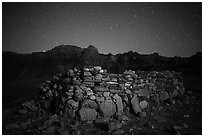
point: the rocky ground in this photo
(92, 101)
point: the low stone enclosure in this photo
(92, 95)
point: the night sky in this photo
(171, 29)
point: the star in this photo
(111, 27)
(116, 25)
(135, 16)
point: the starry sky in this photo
(170, 29)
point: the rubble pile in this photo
(92, 95)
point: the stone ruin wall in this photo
(92, 94)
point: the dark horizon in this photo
(107, 53)
(169, 29)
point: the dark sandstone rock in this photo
(115, 90)
(100, 99)
(135, 104)
(92, 97)
(119, 104)
(72, 104)
(108, 108)
(143, 104)
(101, 89)
(118, 132)
(159, 119)
(142, 114)
(87, 74)
(98, 77)
(106, 94)
(144, 92)
(114, 126)
(78, 97)
(90, 104)
(70, 113)
(128, 91)
(90, 92)
(87, 114)
(163, 96)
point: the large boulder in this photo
(87, 114)
(119, 104)
(108, 108)
(135, 104)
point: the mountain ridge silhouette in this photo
(63, 57)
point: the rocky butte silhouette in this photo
(63, 57)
